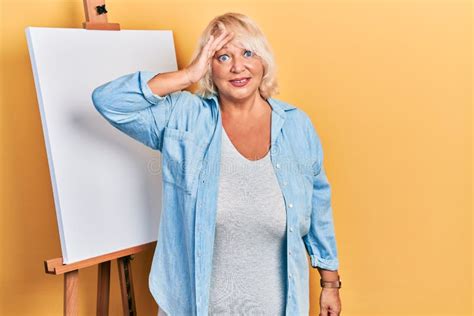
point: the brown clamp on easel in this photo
(96, 19)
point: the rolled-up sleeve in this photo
(321, 241)
(128, 103)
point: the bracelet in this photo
(330, 284)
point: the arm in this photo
(169, 82)
(328, 275)
(320, 241)
(139, 103)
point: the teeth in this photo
(239, 81)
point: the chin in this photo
(242, 95)
(242, 92)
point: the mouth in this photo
(240, 82)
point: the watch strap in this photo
(330, 284)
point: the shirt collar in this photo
(277, 105)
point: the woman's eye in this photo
(221, 57)
(225, 57)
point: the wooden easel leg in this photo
(103, 289)
(71, 285)
(126, 286)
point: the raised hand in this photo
(198, 68)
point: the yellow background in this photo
(388, 85)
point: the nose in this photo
(238, 64)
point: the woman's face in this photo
(233, 62)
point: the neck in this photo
(251, 106)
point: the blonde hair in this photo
(249, 35)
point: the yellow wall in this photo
(388, 85)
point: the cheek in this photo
(217, 72)
(257, 69)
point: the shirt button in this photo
(289, 275)
(291, 229)
(289, 295)
(285, 183)
(290, 205)
(289, 252)
(199, 254)
(278, 165)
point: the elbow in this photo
(98, 99)
(102, 103)
(109, 108)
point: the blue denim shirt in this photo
(186, 129)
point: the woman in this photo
(245, 193)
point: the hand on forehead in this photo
(233, 44)
(219, 28)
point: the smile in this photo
(240, 83)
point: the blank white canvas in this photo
(106, 185)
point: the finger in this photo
(217, 35)
(206, 50)
(221, 36)
(334, 312)
(221, 26)
(208, 47)
(224, 41)
(223, 33)
(209, 41)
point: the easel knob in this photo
(96, 16)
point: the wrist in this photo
(188, 76)
(331, 283)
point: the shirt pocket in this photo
(182, 159)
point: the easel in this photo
(71, 280)
(96, 19)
